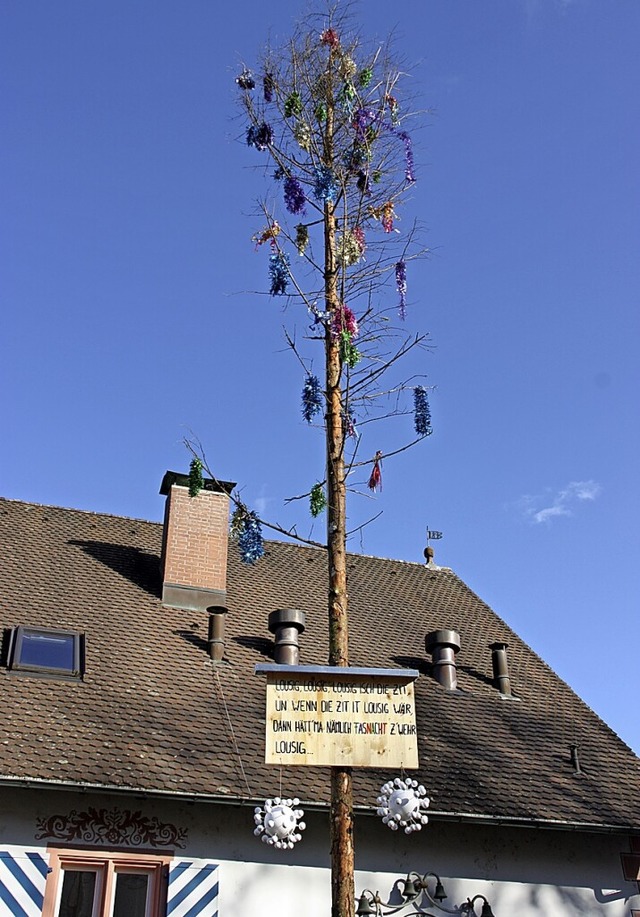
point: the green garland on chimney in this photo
(196, 482)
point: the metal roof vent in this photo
(500, 667)
(443, 645)
(215, 636)
(285, 624)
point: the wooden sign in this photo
(345, 717)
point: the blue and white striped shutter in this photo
(23, 874)
(193, 889)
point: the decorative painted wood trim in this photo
(111, 826)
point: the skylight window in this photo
(46, 650)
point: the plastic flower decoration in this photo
(279, 822)
(402, 804)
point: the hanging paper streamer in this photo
(375, 481)
(259, 135)
(268, 86)
(294, 198)
(325, 187)
(331, 38)
(196, 482)
(278, 273)
(293, 105)
(402, 804)
(421, 412)
(401, 284)
(317, 500)
(268, 234)
(246, 80)
(302, 238)
(311, 398)
(249, 535)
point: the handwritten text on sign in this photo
(350, 720)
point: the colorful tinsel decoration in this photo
(350, 247)
(268, 86)
(294, 198)
(349, 353)
(362, 181)
(348, 67)
(325, 187)
(408, 153)
(302, 238)
(401, 284)
(363, 120)
(196, 482)
(293, 104)
(268, 234)
(311, 398)
(350, 423)
(344, 320)
(249, 537)
(259, 135)
(302, 134)
(421, 412)
(365, 76)
(317, 500)
(278, 273)
(375, 481)
(388, 216)
(246, 80)
(331, 38)
(347, 96)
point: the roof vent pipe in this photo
(285, 624)
(215, 636)
(443, 645)
(500, 667)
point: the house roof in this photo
(154, 714)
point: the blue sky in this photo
(131, 311)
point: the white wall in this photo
(521, 871)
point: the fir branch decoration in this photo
(317, 500)
(311, 398)
(278, 273)
(421, 412)
(196, 482)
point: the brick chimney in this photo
(194, 543)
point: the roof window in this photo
(46, 650)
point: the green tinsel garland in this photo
(317, 500)
(196, 482)
(365, 76)
(321, 112)
(348, 350)
(293, 105)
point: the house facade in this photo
(132, 736)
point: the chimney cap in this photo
(442, 638)
(182, 480)
(287, 617)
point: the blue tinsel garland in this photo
(259, 135)
(422, 414)
(401, 283)
(326, 186)
(279, 273)
(250, 539)
(311, 398)
(294, 198)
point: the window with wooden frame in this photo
(105, 884)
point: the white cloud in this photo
(548, 506)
